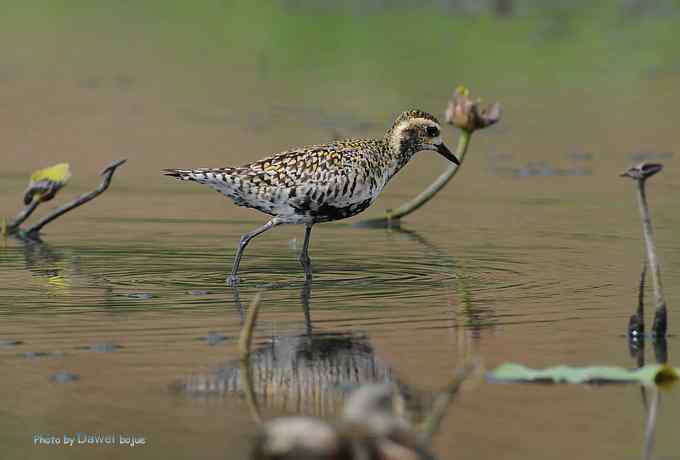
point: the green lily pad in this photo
(655, 374)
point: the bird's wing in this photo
(301, 166)
(318, 172)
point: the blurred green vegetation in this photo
(342, 52)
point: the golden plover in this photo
(320, 183)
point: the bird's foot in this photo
(233, 280)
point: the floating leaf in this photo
(659, 374)
(45, 183)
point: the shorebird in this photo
(320, 183)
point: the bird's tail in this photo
(202, 175)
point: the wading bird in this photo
(321, 183)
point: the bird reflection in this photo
(311, 372)
(307, 373)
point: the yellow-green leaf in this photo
(654, 374)
(45, 183)
(60, 173)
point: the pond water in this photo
(532, 254)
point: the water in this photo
(122, 323)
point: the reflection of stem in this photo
(246, 337)
(244, 343)
(34, 230)
(636, 323)
(246, 380)
(650, 430)
(436, 186)
(659, 327)
(442, 402)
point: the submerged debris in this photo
(64, 377)
(371, 427)
(140, 295)
(42, 354)
(214, 338)
(105, 347)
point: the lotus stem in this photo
(660, 316)
(427, 194)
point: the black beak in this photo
(446, 153)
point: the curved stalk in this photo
(427, 194)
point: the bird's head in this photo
(416, 130)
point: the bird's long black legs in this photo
(304, 255)
(233, 279)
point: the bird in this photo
(320, 183)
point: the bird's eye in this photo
(432, 131)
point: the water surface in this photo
(532, 254)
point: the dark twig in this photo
(22, 216)
(640, 173)
(34, 230)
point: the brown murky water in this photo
(531, 255)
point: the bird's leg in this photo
(304, 255)
(233, 279)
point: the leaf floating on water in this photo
(656, 374)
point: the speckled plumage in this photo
(325, 182)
